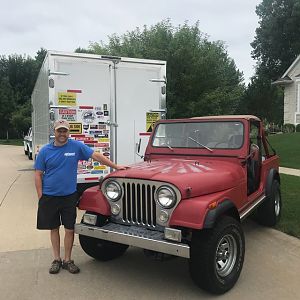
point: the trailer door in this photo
(81, 94)
(140, 90)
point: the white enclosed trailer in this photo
(111, 104)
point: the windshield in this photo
(208, 135)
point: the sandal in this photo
(55, 266)
(70, 266)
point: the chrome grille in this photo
(138, 204)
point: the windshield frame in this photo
(207, 147)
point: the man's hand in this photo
(119, 167)
(105, 161)
(38, 175)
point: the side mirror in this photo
(138, 148)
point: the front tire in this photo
(217, 256)
(100, 249)
(29, 154)
(269, 212)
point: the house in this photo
(290, 80)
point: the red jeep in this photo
(200, 178)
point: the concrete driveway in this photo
(271, 269)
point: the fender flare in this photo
(272, 175)
(213, 214)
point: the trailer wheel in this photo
(100, 249)
(269, 212)
(217, 256)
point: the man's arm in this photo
(38, 176)
(105, 161)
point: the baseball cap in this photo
(61, 124)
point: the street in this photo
(271, 268)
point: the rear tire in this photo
(217, 256)
(269, 212)
(100, 249)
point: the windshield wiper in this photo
(170, 147)
(167, 145)
(200, 144)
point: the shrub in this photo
(288, 128)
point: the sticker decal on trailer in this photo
(65, 98)
(75, 128)
(151, 118)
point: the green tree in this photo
(277, 42)
(21, 118)
(202, 78)
(7, 105)
(17, 78)
(275, 47)
(39, 58)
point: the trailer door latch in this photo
(111, 124)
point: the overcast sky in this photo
(64, 25)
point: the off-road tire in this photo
(100, 249)
(210, 268)
(269, 212)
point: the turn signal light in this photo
(213, 205)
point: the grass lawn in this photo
(290, 218)
(16, 142)
(287, 146)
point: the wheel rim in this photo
(277, 203)
(226, 255)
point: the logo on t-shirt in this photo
(69, 154)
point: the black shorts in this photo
(54, 211)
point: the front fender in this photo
(93, 200)
(195, 213)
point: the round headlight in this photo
(166, 197)
(113, 191)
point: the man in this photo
(55, 181)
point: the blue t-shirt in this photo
(59, 164)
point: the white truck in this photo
(27, 142)
(110, 102)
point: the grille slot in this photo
(138, 204)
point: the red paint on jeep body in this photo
(93, 200)
(201, 176)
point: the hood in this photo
(202, 176)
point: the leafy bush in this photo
(288, 128)
(298, 128)
(271, 128)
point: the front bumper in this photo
(133, 236)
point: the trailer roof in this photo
(106, 57)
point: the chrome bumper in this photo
(137, 237)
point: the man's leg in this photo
(68, 217)
(68, 243)
(68, 263)
(55, 241)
